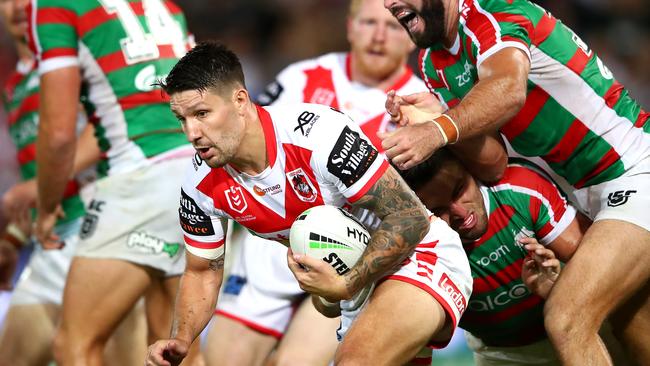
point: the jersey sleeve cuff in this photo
(563, 223)
(210, 250)
(498, 47)
(366, 187)
(52, 64)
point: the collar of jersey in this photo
(269, 134)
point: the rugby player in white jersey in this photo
(416, 260)
(262, 308)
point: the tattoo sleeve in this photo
(404, 223)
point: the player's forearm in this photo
(196, 300)
(56, 142)
(490, 104)
(404, 224)
(54, 160)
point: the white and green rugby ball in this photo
(330, 233)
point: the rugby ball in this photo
(330, 233)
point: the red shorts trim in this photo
(438, 297)
(254, 326)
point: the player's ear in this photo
(240, 98)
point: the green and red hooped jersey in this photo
(524, 203)
(122, 47)
(577, 117)
(20, 98)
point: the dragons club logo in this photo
(302, 185)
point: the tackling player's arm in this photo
(498, 95)
(483, 156)
(56, 144)
(404, 222)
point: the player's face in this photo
(211, 124)
(454, 196)
(379, 44)
(14, 16)
(424, 20)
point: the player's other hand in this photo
(541, 269)
(20, 197)
(317, 277)
(413, 108)
(44, 228)
(166, 352)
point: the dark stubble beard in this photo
(433, 14)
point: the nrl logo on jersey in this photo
(236, 199)
(301, 184)
(523, 233)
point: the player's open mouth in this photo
(469, 222)
(408, 18)
(204, 152)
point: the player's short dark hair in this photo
(208, 66)
(417, 176)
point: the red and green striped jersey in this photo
(502, 311)
(122, 47)
(577, 117)
(20, 99)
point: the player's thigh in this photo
(159, 305)
(610, 265)
(27, 334)
(398, 321)
(307, 327)
(128, 343)
(98, 295)
(631, 325)
(230, 342)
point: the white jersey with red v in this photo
(327, 80)
(316, 155)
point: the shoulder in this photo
(525, 181)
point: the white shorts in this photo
(260, 290)
(438, 266)
(538, 353)
(43, 279)
(134, 217)
(625, 198)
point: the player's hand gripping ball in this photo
(330, 233)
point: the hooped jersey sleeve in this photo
(495, 25)
(345, 157)
(53, 33)
(549, 211)
(203, 232)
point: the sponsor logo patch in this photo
(351, 157)
(146, 243)
(270, 190)
(197, 161)
(234, 285)
(618, 198)
(456, 296)
(89, 224)
(301, 184)
(270, 93)
(193, 220)
(306, 122)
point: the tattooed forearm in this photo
(404, 224)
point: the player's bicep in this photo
(391, 197)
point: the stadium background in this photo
(270, 34)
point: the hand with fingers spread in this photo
(541, 268)
(317, 277)
(413, 108)
(44, 228)
(166, 352)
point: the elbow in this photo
(495, 171)
(518, 95)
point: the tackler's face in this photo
(378, 42)
(211, 124)
(454, 196)
(424, 20)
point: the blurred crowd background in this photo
(270, 34)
